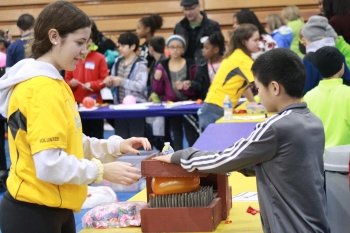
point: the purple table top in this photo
(217, 137)
(158, 110)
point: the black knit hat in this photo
(328, 60)
(189, 2)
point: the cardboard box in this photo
(198, 219)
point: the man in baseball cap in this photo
(194, 25)
(187, 3)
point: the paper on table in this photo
(106, 93)
(242, 99)
(248, 117)
(179, 103)
(131, 106)
(246, 196)
(82, 108)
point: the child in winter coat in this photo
(172, 81)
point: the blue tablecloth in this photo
(217, 137)
(158, 110)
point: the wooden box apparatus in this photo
(185, 219)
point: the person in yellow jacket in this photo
(234, 75)
(51, 160)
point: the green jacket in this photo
(344, 48)
(296, 26)
(330, 101)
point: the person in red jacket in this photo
(87, 80)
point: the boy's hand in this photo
(117, 81)
(111, 81)
(186, 85)
(108, 81)
(157, 75)
(164, 158)
(179, 85)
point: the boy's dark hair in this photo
(217, 39)
(283, 66)
(328, 60)
(158, 43)
(62, 16)
(153, 21)
(129, 38)
(25, 22)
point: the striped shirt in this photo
(123, 72)
(180, 75)
(286, 153)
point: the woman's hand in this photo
(121, 173)
(131, 145)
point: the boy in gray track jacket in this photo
(285, 151)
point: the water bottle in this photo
(227, 108)
(167, 149)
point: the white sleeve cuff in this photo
(105, 150)
(57, 167)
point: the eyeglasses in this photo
(175, 47)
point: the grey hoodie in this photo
(22, 71)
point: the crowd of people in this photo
(54, 65)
